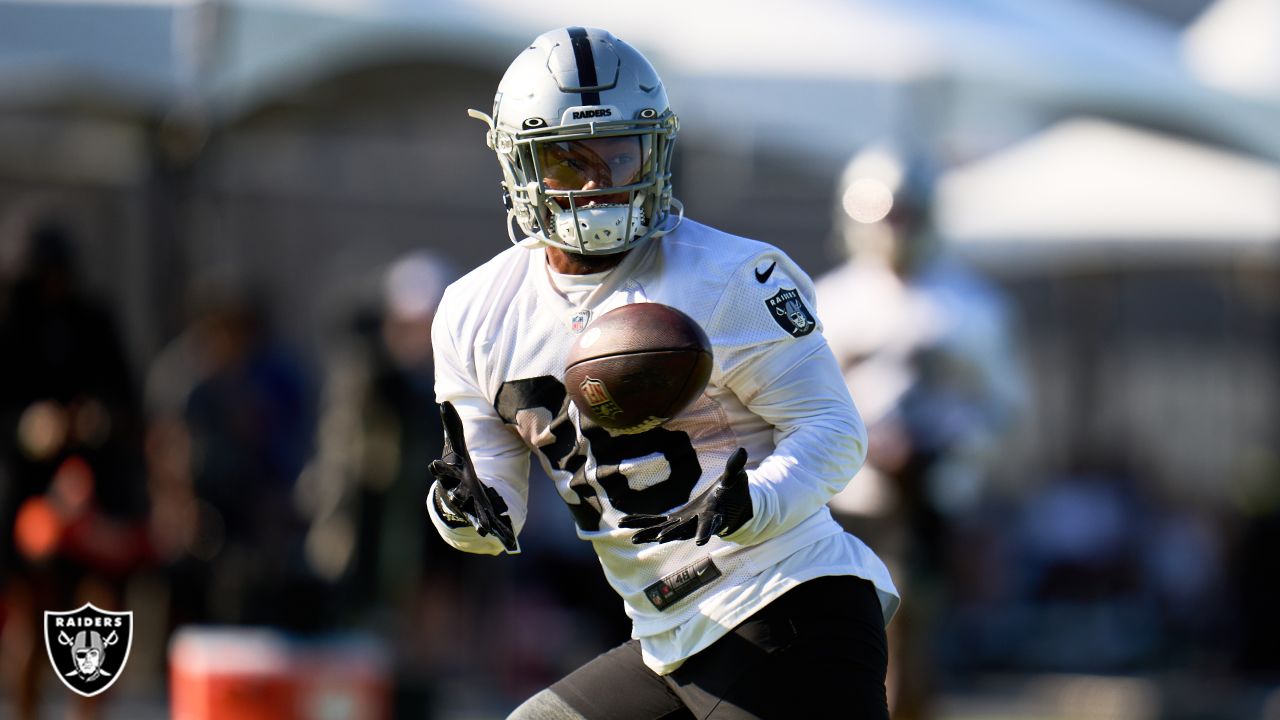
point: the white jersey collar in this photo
(578, 293)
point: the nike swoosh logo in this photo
(763, 276)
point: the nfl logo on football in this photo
(599, 398)
(88, 647)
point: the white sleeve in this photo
(793, 383)
(500, 457)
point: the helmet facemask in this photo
(627, 166)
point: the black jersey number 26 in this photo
(569, 452)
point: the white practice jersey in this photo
(501, 336)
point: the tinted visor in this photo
(602, 162)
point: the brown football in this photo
(637, 366)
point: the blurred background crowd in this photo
(1047, 244)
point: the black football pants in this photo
(819, 651)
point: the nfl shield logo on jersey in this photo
(88, 647)
(579, 320)
(788, 310)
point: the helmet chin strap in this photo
(679, 212)
(530, 242)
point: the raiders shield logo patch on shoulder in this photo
(788, 310)
(88, 647)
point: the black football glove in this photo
(464, 498)
(720, 510)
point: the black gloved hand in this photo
(720, 510)
(464, 498)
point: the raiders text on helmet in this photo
(584, 134)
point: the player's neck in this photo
(573, 264)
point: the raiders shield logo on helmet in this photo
(788, 310)
(88, 647)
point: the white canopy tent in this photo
(826, 76)
(1090, 191)
(1235, 45)
(816, 76)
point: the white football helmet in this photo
(584, 135)
(884, 207)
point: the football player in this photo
(745, 595)
(936, 375)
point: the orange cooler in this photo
(262, 674)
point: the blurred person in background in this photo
(929, 358)
(1078, 541)
(72, 491)
(379, 428)
(746, 597)
(230, 423)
